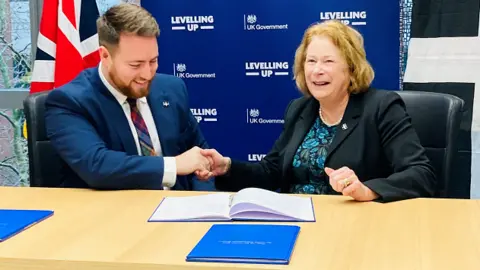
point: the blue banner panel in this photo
(236, 58)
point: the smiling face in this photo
(132, 64)
(326, 70)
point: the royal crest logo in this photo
(254, 112)
(253, 117)
(250, 23)
(180, 70)
(181, 67)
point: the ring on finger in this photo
(346, 182)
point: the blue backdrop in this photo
(236, 59)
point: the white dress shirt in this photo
(170, 167)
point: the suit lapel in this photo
(303, 125)
(348, 124)
(115, 114)
(162, 112)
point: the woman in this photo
(342, 136)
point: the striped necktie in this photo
(145, 141)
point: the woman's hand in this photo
(345, 181)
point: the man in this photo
(121, 125)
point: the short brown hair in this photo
(125, 18)
(350, 43)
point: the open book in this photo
(247, 204)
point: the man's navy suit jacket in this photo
(88, 128)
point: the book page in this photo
(292, 206)
(200, 207)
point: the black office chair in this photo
(44, 162)
(436, 118)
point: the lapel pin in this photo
(344, 126)
(166, 104)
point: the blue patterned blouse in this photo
(308, 162)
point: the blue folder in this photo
(246, 243)
(14, 221)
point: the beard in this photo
(127, 88)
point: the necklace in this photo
(325, 122)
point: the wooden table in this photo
(109, 230)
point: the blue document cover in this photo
(245, 243)
(13, 221)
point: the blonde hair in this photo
(125, 18)
(350, 43)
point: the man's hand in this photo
(193, 161)
(219, 164)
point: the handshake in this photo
(205, 163)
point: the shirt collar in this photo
(119, 96)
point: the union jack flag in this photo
(67, 42)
